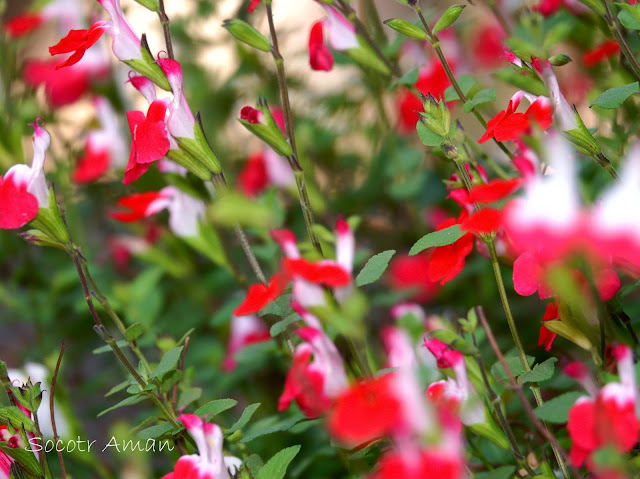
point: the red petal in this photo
(253, 178)
(17, 205)
(91, 166)
(511, 127)
(600, 53)
(329, 274)
(445, 264)
(320, 57)
(494, 190)
(541, 111)
(581, 425)
(260, 295)
(250, 114)
(485, 220)
(253, 5)
(607, 284)
(491, 125)
(526, 275)
(22, 24)
(137, 205)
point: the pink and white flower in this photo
(210, 462)
(245, 330)
(341, 36)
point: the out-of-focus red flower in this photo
(429, 463)
(366, 411)
(328, 273)
(23, 24)
(546, 337)
(253, 4)
(488, 51)
(320, 57)
(253, 177)
(601, 52)
(410, 273)
(446, 262)
(92, 165)
(260, 295)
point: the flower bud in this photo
(448, 18)
(436, 116)
(560, 59)
(405, 28)
(246, 34)
(260, 122)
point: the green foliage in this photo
(374, 268)
(442, 237)
(615, 97)
(213, 408)
(448, 18)
(556, 410)
(540, 372)
(276, 467)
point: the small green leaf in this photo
(438, 238)
(245, 417)
(133, 332)
(125, 402)
(454, 341)
(465, 82)
(556, 410)
(540, 372)
(168, 362)
(427, 137)
(448, 18)
(487, 95)
(629, 15)
(280, 326)
(504, 472)
(213, 408)
(276, 468)
(280, 307)
(615, 97)
(374, 268)
(515, 365)
(13, 416)
(156, 431)
(405, 28)
(408, 79)
(106, 348)
(258, 429)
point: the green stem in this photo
(612, 23)
(435, 43)
(294, 162)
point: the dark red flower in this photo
(250, 114)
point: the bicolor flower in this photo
(608, 418)
(210, 462)
(185, 211)
(314, 383)
(23, 189)
(180, 122)
(125, 45)
(454, 396)
(149, 139)
(509, 125)
(104, 146)
(562, 111)
(341, 37)
(442, 463)
(245, 330)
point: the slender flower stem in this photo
(373, 16)
(352, 16)
(613, 25)
(504, 425)
(164, 20)
(605, 163)
(559, 452)
(63, 470)
(294, 161)
(435, 43)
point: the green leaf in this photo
(245, 417)
(540, 372)
(514, 363)
(276, 468)
(213, 408)
(374, 268)
(454, 341)
(504, 472)
(487, 95)
(254, 463)
(133, 332)
(189, 395)
(438, 238)
(629, 15)
(27, 459)
(258, 429)
(168, 362)
(408, 79)
(11, 415)
(448, 18)
(465, 82)
(427, 137)
(280, 326)
(233, 208)
(125, 402)
(280, 307)
(615, 97)
(156, 431)
(556, 410)
(117, 388)
(106, 348)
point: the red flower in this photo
(509, 125)
(149, 139)
(260, 295)
(17, 205)
(253, 178)
(140, 205)
(92, 165)
(305, 386)
(253, 4)
(78, 42)
(600, 53)
(447, 261)
(324, 272)
(429, 463)
(482, 221)
(493, 191)
(251, 115)
(320, 57)
(546, 337)
(366, 411)
(21, 25)
(489, 51)
(410, 273)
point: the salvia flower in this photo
(210, 462)
(341, 36)
(607, 418)
(245, 330)
(185, 211)
(23, 189)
